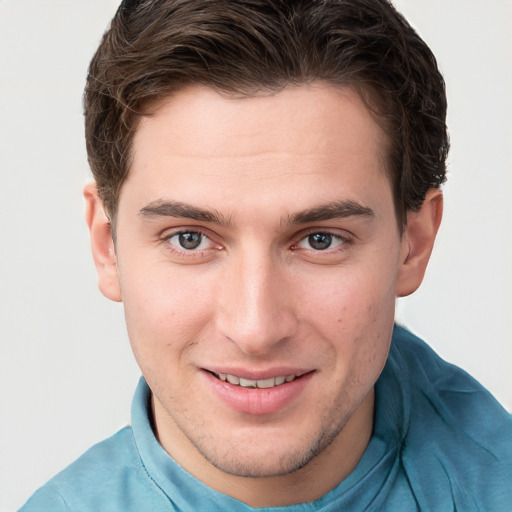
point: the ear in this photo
(102, 244)
(418, 241)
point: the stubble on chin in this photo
(250, 459)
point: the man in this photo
(267, 182)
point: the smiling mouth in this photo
(260, 384)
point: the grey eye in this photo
(190, 240)
(320, 241)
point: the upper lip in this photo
(252, 374)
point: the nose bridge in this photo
(255, 310)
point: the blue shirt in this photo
(440, 443)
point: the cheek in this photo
(165, 312)
(345, 298)
(353, 311)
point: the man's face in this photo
(257, 241)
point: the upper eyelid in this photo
(329, 233)
(183, 253)
(346, 238)
(166, 235)
(339, 233)
(170, 232)
(343, 239)
(194, 250)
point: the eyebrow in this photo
(167, 208)
(332, 210)
(328, 211)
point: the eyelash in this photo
(344, 243)
(184, 253)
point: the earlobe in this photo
(418, 242)
(102, 244)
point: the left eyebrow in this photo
(329, 211)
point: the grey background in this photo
(66, 370)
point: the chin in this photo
(262, 466)
(270, 458)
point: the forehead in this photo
(199, 142)
(304, 114)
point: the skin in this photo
(256, 177)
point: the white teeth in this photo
(267, 383)
(233, 379)
(250, 383)
(247, 383)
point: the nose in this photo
(255, 308)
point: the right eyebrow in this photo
(168, 208)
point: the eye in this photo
(190, 241)
(321, 241)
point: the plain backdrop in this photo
(66, 371)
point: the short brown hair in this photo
(156, 47)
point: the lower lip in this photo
(258, 401)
